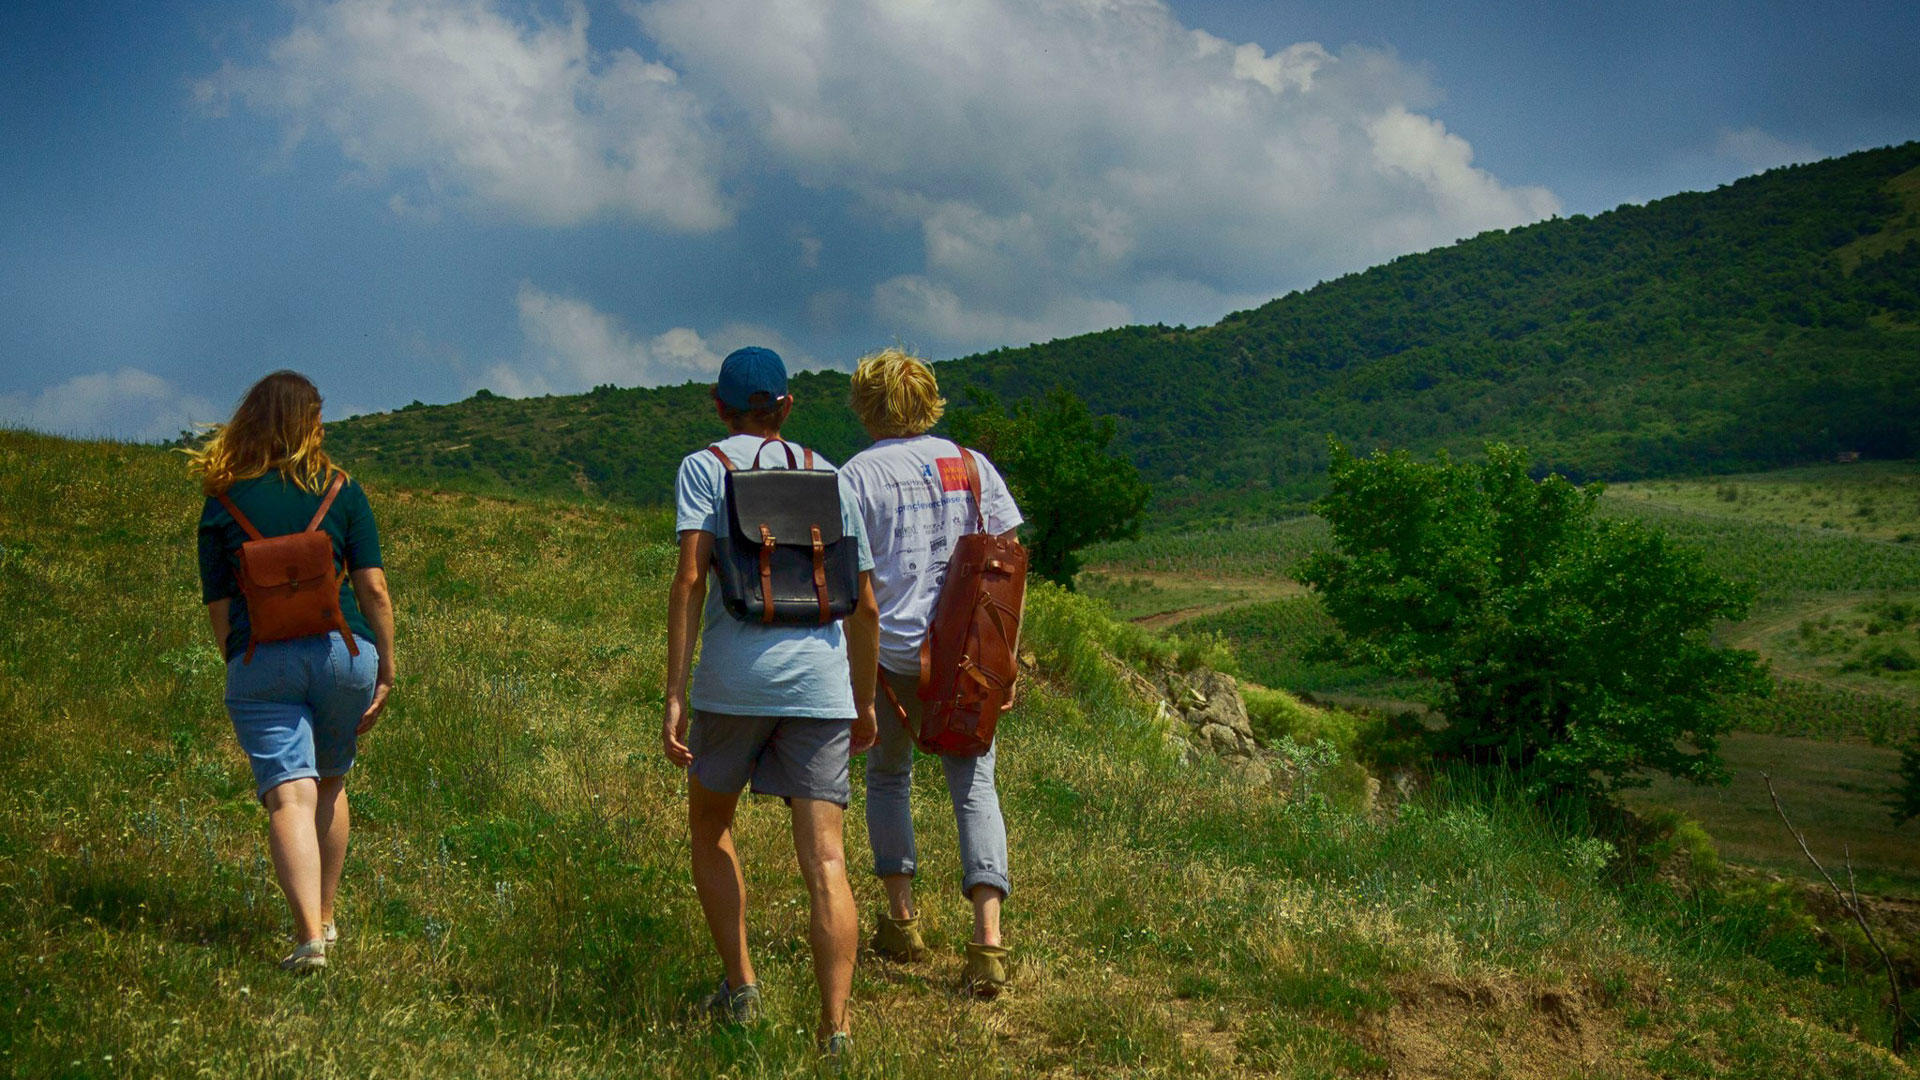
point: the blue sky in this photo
(411, 199)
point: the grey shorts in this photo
(792, 757)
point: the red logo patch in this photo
(953, 473)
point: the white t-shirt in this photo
(913, 498)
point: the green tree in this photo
(1053, 453)
(1572, 647)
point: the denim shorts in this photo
(792, 757)
(295, 707)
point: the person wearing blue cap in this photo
(777, 707)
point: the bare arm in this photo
(863, 656)
(220, 613)
(685, 598)
(370, 589)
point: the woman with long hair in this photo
(298, 703)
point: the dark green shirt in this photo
(277, 507)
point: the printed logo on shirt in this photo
(953, 473)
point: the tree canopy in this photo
(1570, 647)
(1072, 490)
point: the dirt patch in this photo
(1443, 1027)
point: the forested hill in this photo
(1774, 320)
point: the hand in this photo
(382, 687)
(866, 730)
(673, 731)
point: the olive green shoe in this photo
(986, 971)
(899, 939)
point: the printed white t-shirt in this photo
(913, 498)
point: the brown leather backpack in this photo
(289, 582)
(971, 657)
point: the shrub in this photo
(1572, 648)
(1072, 489)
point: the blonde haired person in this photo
(913, 497)
(298, 706)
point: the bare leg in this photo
(296, 852)
(986, 914)
(717, 878)
(834, 932)
(899, 895)
(330, 824)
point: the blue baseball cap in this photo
(748, 373)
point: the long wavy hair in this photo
(277, 426)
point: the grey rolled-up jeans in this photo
(976, 802)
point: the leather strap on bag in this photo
(806, 453)
(880, 677)
(766, 575)
(326, 503)
(820, 577)
(980, 525)
(973, 485)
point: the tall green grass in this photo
(517, 902)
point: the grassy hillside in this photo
(1773, 321)
(517, 901)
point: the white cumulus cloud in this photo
(569, 346)
(128, 404)
(1061, 164)
(462, 102)
(1060, 155)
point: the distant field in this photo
(1167, 598)
(1875, 499)
(1249, 551)
(1836, 792)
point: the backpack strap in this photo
(326, 502)
(806, 455)
(820, 577)
(784, 445)
(239, 517)
(880, 677)
(973, 485)
(766, 576)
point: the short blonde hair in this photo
(895, 394)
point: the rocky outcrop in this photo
(1205, 712)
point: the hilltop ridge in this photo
(1773, 321)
